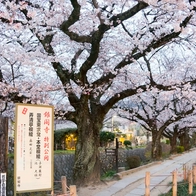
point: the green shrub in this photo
(183, 189)
(167, 142)
(180, 149)
(127, 143)
(133, 161)
(105, 137)
(59, 136)
(109, 174)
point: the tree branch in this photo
(74, 17)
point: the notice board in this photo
(33, 149)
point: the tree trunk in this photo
(156, 151)
(185, 140)
(173, 144)
(87, 161)
(173, 141)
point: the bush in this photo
(167, 142)
(180, 149)
(127, 143)
(109, 174)
(183, 189)
(105, 137)
(133, 161)
(59, 136)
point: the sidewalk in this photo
(133, 182)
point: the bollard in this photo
(147, 184)
(194, 174)
(190, 179)
(73, 190)
(174, 187)
(64, 184)
(184, 172)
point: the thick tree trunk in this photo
(156, 151)
(185, 140)
(173, 141)
(173, 144)
(87, 162)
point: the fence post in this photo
(147, 184)
(73, 190)
(194, 174)
(174, 187)
(64, 184)
(190, 178)
(184, 172)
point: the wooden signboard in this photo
(110, 152)
(113, 152)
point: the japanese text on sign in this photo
(34, 136)
(2, 184)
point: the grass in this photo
(108, 175)
(64, 151)
(11, 155)
(182, 190)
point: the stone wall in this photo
(63, 166)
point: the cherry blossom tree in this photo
(156, 113)
(81, 56)
(181, 130)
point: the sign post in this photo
(113, 152)
(117, 146)
(33, 151)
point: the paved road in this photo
(161, 174)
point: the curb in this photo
(122, 174)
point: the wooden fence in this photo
(66, 190)
(189, 175)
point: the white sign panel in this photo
(2, 184)
(33, 148)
